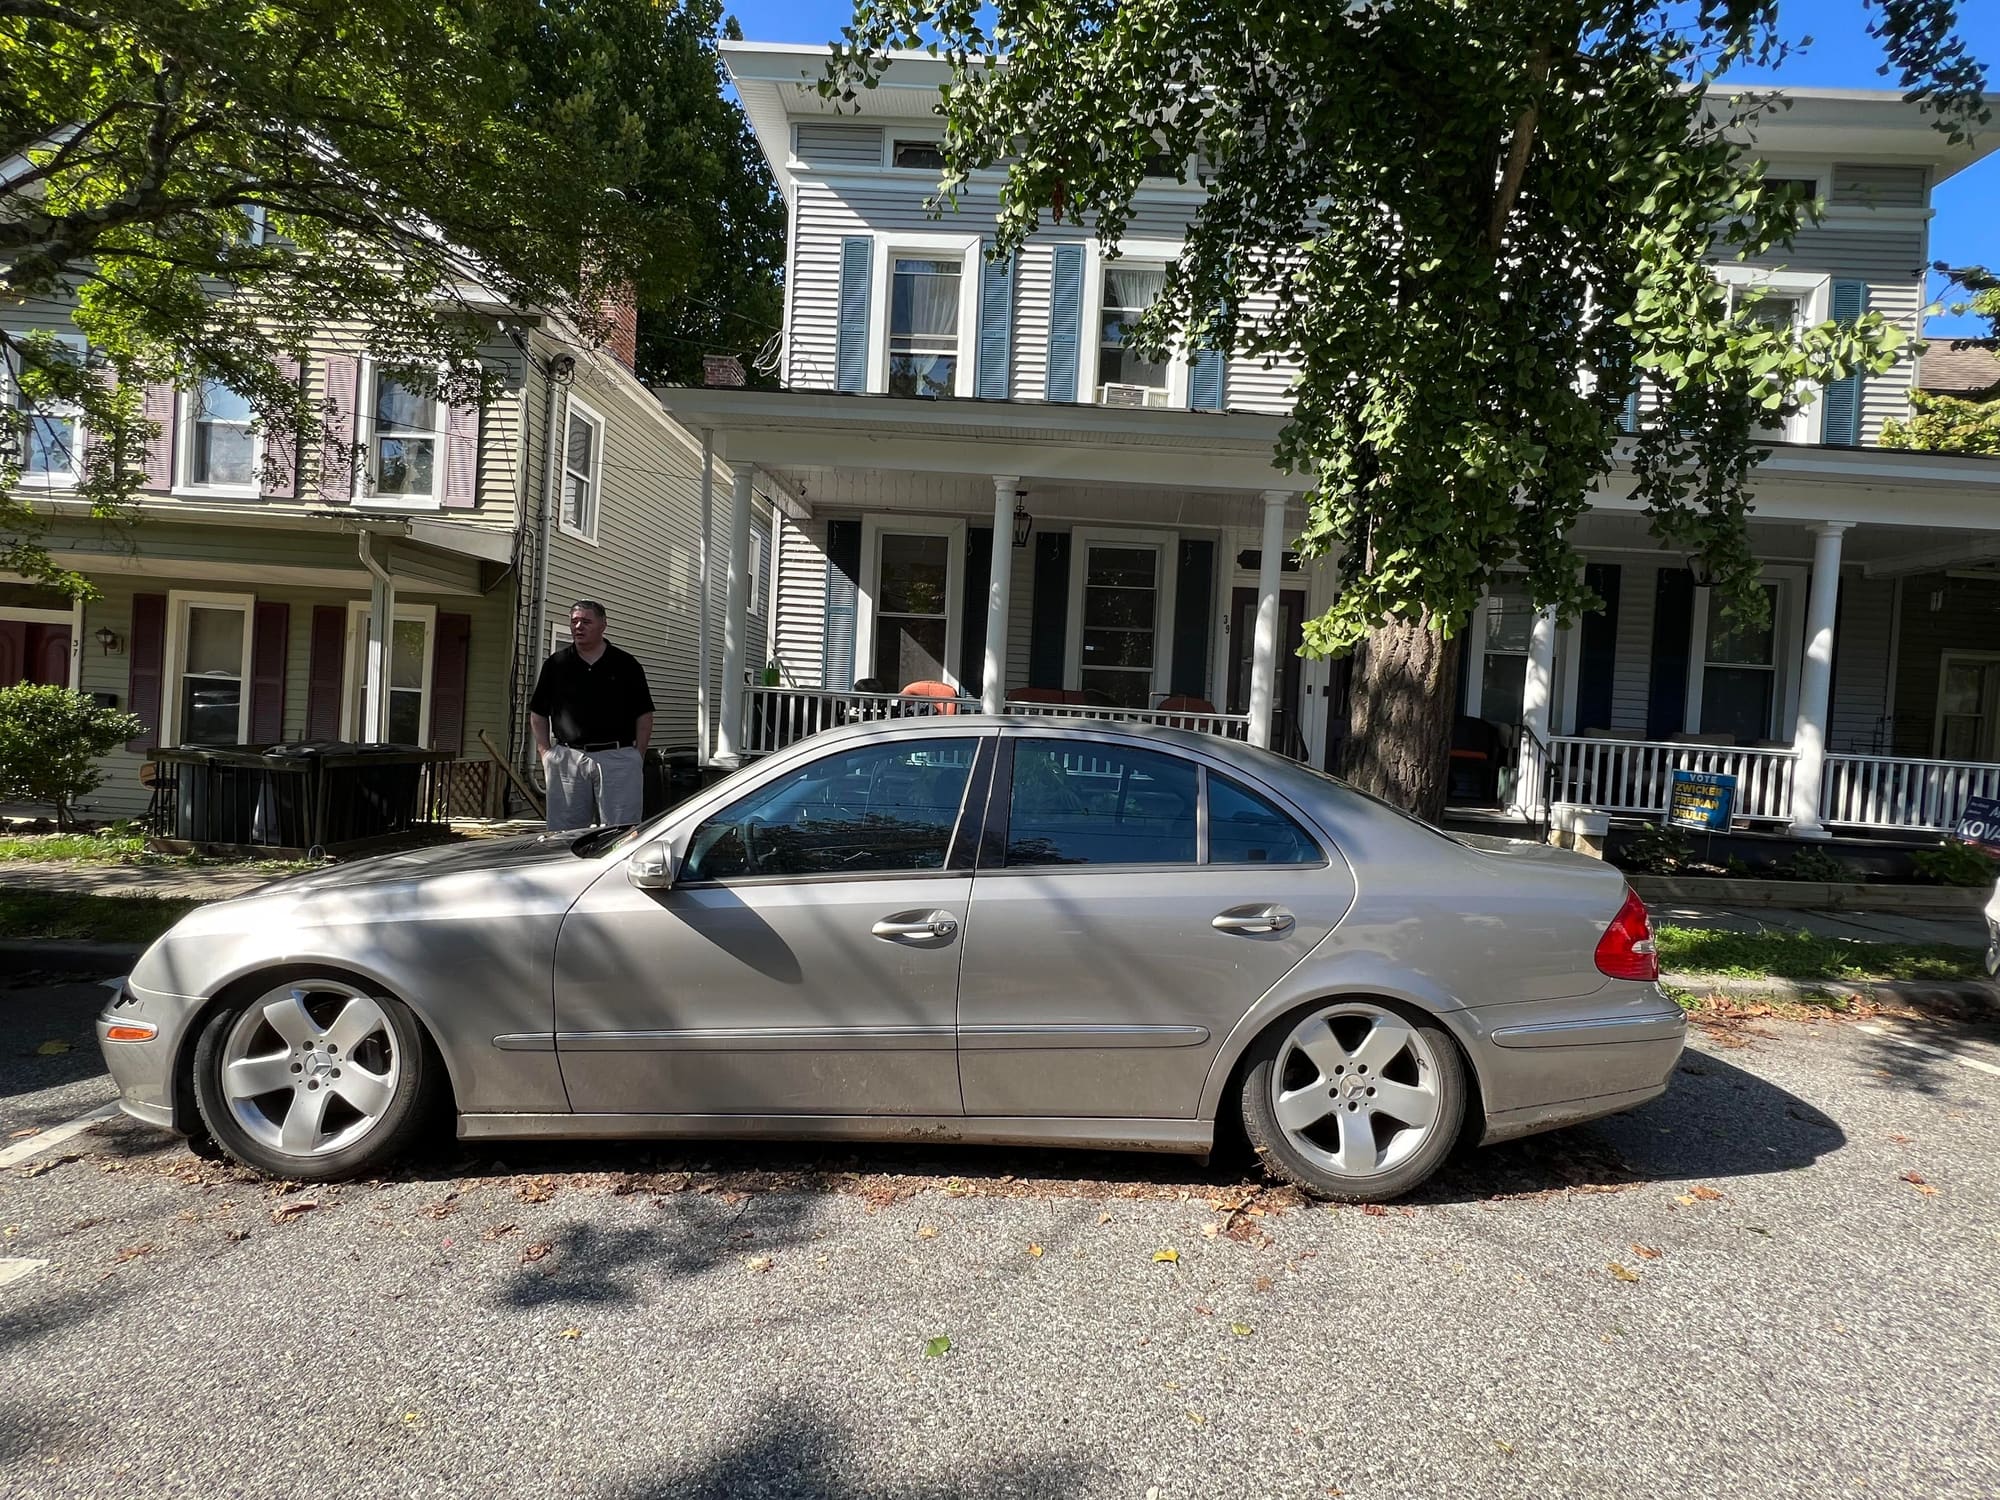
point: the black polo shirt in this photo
(588, 702)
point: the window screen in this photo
(869, 810)
(1077, 802)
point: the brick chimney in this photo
(620, 314)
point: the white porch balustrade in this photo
(1889, 791)
(1226, 726)
(1633, 776)
(774, 717)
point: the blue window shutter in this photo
(1628, 419)
(1065, 320)
(1841, 423)
(857, 269)
(996, 323)
(843, 577)
(1205, 368)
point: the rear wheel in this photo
(1355, 1100)
(314, 1079)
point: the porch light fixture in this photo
(107, 638)
(1023, 522)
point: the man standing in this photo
(593, 717)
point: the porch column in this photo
(374, 726)
(993, 676)
(1816, 683)
(735, 624)
(1264, 648)
(1537, 694)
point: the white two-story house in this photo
(401, 584)
(989, 491)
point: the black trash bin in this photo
(673, 775)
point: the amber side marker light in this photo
(131, 1031)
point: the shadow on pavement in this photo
(680, 1236)
(1905, 1068)
(796, 1452)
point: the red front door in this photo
(31, 652)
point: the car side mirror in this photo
(651, 867)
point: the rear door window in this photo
(1083, 802)
(1247, 829)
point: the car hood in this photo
(425, 864)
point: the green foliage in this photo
(1956, 863)
(1946, 424)
(1656, 849)
(1444, 210)
(49, 737)
(416, 166)
(1805, 955)
(1811, 863)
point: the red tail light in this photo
(1626, 949)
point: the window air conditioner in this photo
(1115, 394)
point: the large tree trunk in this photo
(1399, 746)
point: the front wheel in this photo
(315, 1079)
(1354, 1100)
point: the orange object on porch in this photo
(934, 690)
(1185, 703)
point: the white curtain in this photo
(928, 293)
(1133, 289)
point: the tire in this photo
(315, 1079)
(1355, 1099)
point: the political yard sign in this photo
(1702, 800)
(1979, 824)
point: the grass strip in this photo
(1804, 955)
(73, 848)
(65, 916)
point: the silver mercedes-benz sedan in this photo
(950, 929)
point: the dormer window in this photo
(921, 156)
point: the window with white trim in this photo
(404, 436)
(1124, 376)
(1121, 610)
(922, 156)
(219, 446)
(907, 623)
(1787, 303)
(49, 433)
(412, 638)
(582, 468)
(208, 668)
(1739, 675)
(925, 295)
(1968, 712)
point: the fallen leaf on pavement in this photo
(1034, 1250)
(284, 1213)
(1917, 1181)
(956, 1188)
(1104, 1218)
(1900, 1140)
(535, 1251)
(934, 1348)
(1704, 1193)
(52, 1048)
(1206, 1312)
(236, 1236)
(1261, 1284)
(15, 1135)
(1210, 1230)
(1645, 1252)
(1167, 1255)
(1623, 1273)
(540, 1190)
(133, 1252)
(570, 1333)
(1503, 1445)
(927, 1231)
(758, 1262)
(1241, 1330)
(51, 1164)
(1197, 1418)
(1374, 1210)
(495, 1231)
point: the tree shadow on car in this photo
(795, 1451)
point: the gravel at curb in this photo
(1983, 994)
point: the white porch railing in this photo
(1226, 726)
(774, 717)
(1632, 776)
(1889, 791)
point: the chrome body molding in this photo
(1192, 1137)
(763, 1039)
(1018, 1037)
(1589, 1031)
(526, 1041)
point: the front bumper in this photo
(143, 1071)
(1546, 1064)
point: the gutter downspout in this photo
(375, 651)
(545, 528)
(703, 596)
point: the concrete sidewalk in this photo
(134, 880)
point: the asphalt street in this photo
(1778, 1280)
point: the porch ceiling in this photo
(1881, 549)
(971, 495)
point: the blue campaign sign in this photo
(1701, 799)
(1979, 824)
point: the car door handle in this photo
(906, 924)
(1253, 919)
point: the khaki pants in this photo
(587, 787)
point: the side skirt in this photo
(1192, 1137)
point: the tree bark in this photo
(1399, 747)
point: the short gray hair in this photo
(593, 606)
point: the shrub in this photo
(1656, 849)
(1815, 864)
(49, 740)
(1956, 864)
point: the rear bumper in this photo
(1553, 1063)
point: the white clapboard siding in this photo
(1864, 185)
(1631, 670)
(801, 601)
(1858, 720)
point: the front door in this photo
(1968, 721)
(34, 652)
(1285, 735)
(1115, 939)
(805, 962)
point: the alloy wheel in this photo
(309, 1069)
(1355, 1089)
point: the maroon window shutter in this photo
(269, 644)
(157, 407)
(461, 457)
(449, 657)
(323, 672)
(280, 479)
(336, 466)
(148, 652)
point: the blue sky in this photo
(1966, 229)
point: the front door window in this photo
(1503, 673)
(211, 697)
(1121, 638)
(1739, 671)
(1969, 708)
(912, 610)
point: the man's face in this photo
(585, 628)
